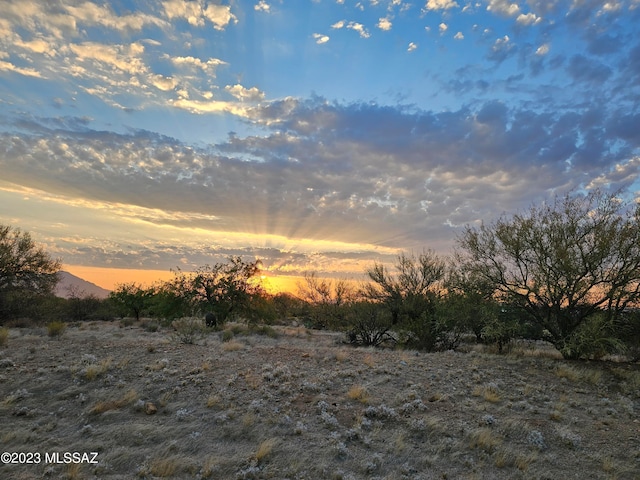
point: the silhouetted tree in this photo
(26, 270)
(562, 263)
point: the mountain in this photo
(70, 285)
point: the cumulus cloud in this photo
(459, 36)
(528, 19)
(384, 24)
(412, 46)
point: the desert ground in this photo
(108, 400)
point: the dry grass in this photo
(232, 346)
(305, 406)
(265, 449)
(359, 393)
(106, 405)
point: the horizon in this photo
(139, 137)
(110, 278)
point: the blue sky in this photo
(315, 135)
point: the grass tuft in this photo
(265, 449)
(106, 405)
(359, 393)
(56, 328)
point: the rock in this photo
(150, 408)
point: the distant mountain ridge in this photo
(70, 286)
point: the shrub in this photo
(227, 335)
(4, 336)
(56, 328)
(595, 338)
(188, 330)
(369, 325)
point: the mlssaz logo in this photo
(71, 457)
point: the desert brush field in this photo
(114, 400)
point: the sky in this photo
(137, 137)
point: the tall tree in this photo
(26, 269)
(562, 263)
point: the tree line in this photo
(566, 271)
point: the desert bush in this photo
(227, 335)
(150, 325)
(188, 330)
(412, 297)
(4, 336)
(369, 324)
(56, 328)
(327, 300)
(594, 338)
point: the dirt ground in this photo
(108, 401)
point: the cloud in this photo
(195, 13)
(358, 27)
(384, 24)
(502, 49)
(442, 28)
(543, 49)
(412, 46)
(245, 94)
(126, 58)
(208, 66)
(528, 19)
(262, 6)
(328, 171)
(585, 70)
(459, 36)
(320, 38)
(91, 14)
(440, 4)
(26, 71)
(503, 7)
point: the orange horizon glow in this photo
(110, 278)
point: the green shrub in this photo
(56, 328)
(4, 336)
(594, 338)
(227, 335)
(189, 330)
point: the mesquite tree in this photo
(563, 263)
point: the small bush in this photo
(227, 335)
(150, 325)
(188, 330)
(56, 328)
(4, 336)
